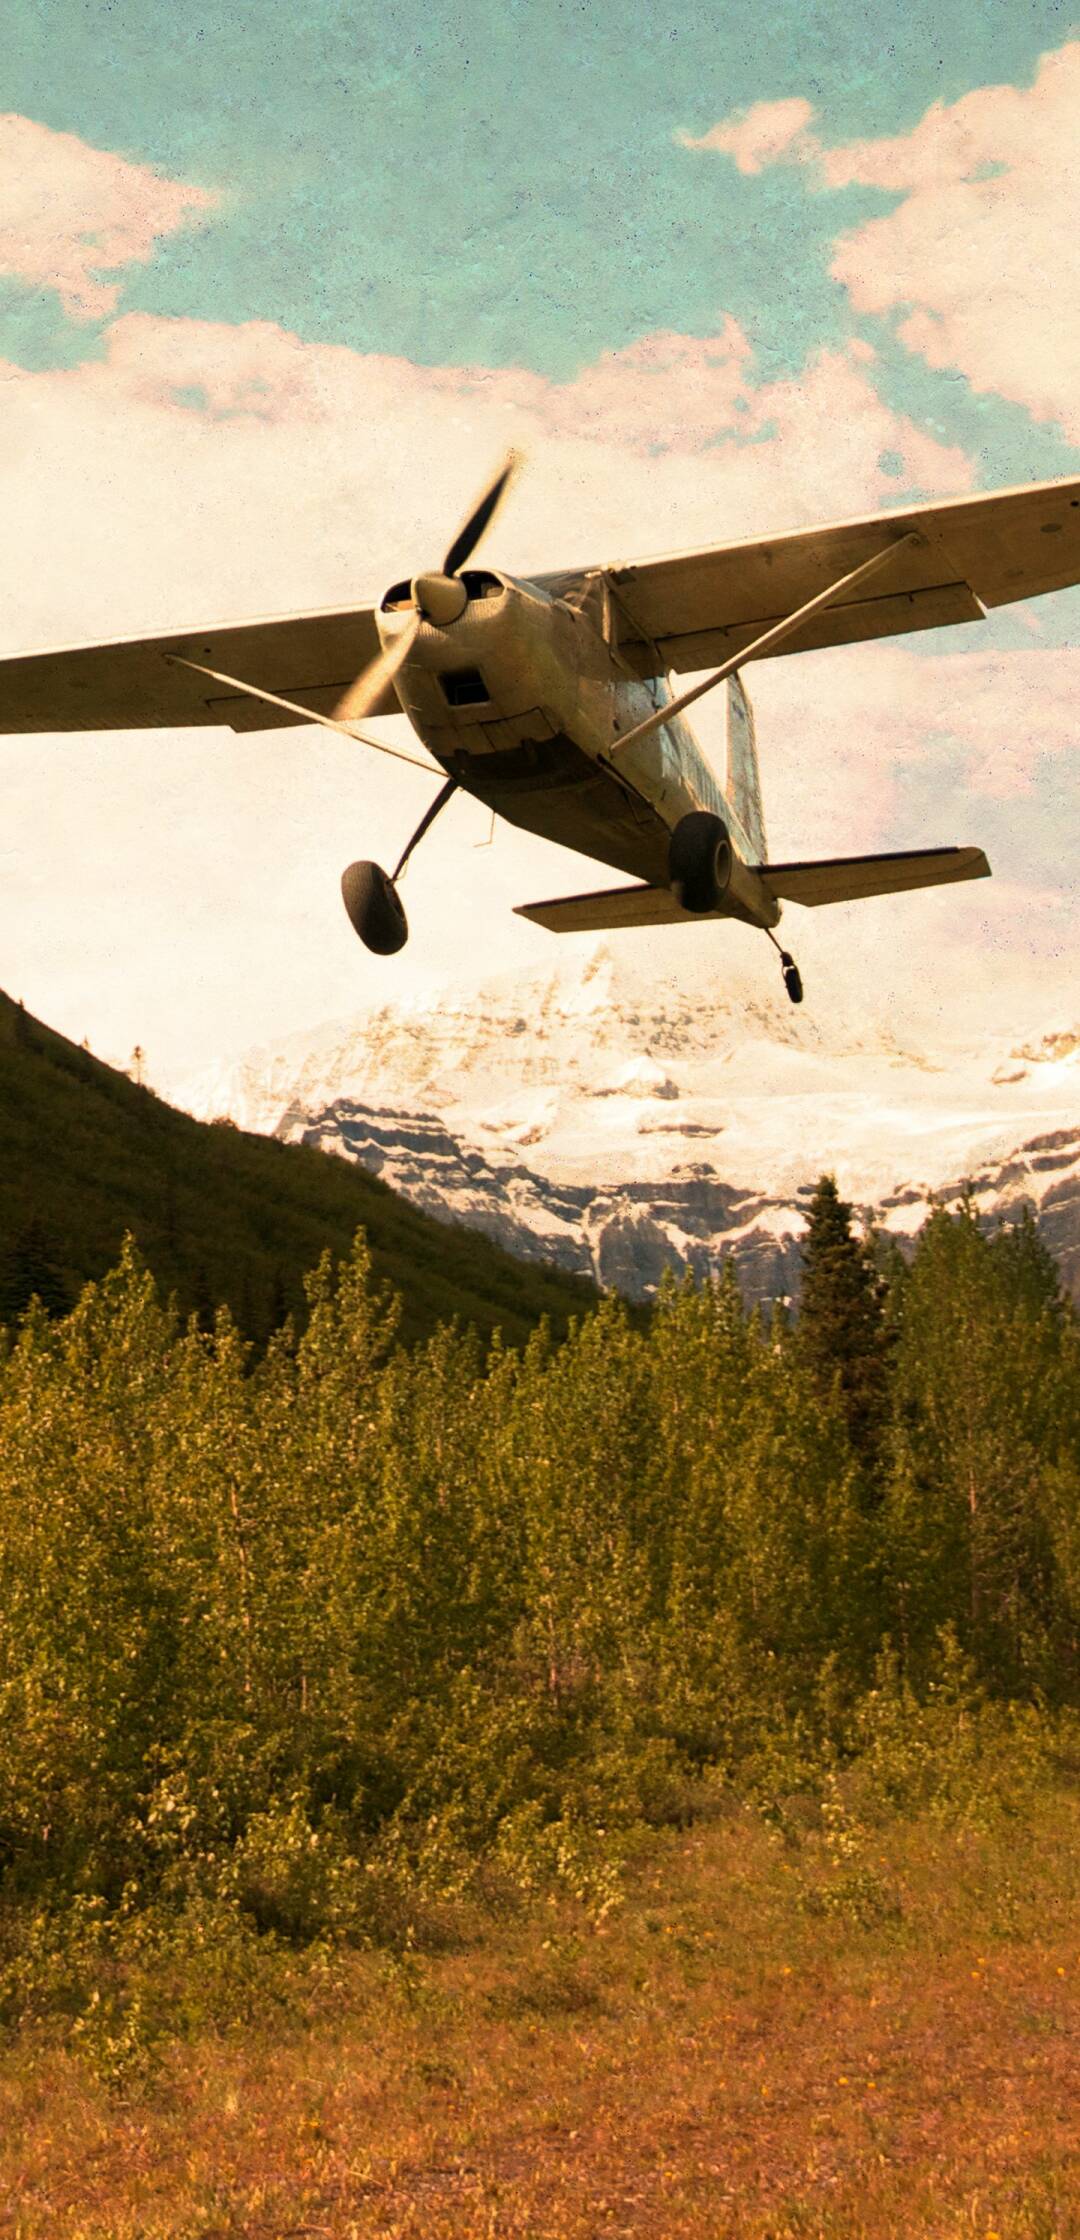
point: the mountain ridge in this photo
(220, 1215)
(614, 1124)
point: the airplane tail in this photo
(742, 781)
(837, 879)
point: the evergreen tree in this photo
(842, 1333)
(278, 1309)
(1029, 1268)
(29, 1269)
(202, 1299)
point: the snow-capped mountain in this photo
(617, 1122)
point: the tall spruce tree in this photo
(842, 1333)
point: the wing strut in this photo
(293, 708)
(768, 639)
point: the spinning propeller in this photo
(439, 596)
(369, 893)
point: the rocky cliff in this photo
(614, 1123)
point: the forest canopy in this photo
(296, 1633)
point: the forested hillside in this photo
(86, 1156)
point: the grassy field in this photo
(819, 2030)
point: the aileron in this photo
(974, 553)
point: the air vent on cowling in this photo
(465, 688)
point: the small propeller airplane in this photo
(550, 700)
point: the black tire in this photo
(793, 982)
(375, 911)
(699, 861)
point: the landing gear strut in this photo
(790, 970)
(370, 894)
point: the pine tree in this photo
(1029, 1268)
(278, 1308)
(842, 1334)
(30, 1269)
(202, 1299)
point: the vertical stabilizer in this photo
(742, 784)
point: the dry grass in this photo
(760, 2044)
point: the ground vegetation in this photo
(314, 1660)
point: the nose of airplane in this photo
(439, 598)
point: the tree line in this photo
(285, 1627)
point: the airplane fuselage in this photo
(523, 700)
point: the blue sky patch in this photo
(497, 184)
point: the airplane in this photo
(551, 699)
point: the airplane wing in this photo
(129, 685)
(836, 879)
(690, 610)
(695, 609)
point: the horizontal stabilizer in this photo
(851, 878)
(836, 879)
(607, 911)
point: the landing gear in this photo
(370, 894)
(699, 861)
(371, 899)
(790, 970)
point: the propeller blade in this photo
(469, 535)
(369, 686)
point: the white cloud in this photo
(202, 469)
(72, 214)
(999, 721)
(981, 257)
(770, 132)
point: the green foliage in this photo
(843, 1332)
(952, 1750)
(979, 1502)
(295, 1644)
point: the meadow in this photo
(743, 2046)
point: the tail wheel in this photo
(792, 977)
(371, 899)
(699, 861)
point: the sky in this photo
(277, 290)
